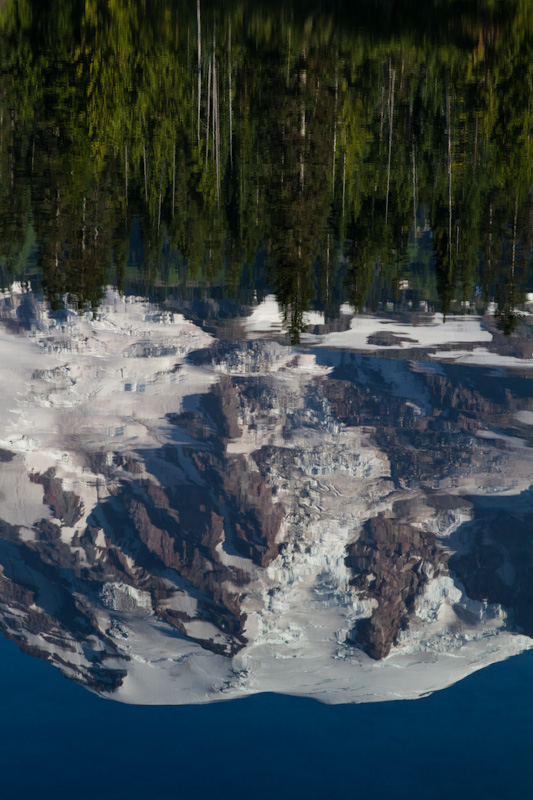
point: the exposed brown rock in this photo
(238, 492)
(260, 518)
(66, 506)
(183, 532)
(391, 563)
(427, 449)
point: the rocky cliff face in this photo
(185, 518)
(392, 563)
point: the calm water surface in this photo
(472, 740)
(266, 408)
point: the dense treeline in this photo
(333, 157)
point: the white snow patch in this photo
(435, 332)
(123, 597)
(526, 417)
(480, 356)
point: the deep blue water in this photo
(474, 740)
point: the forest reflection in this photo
(366, 156)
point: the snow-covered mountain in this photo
(186, 519)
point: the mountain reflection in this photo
(193, 508)
(370, 156)
(185, 518)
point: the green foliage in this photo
(366, 147)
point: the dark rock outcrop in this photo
(494, 559)
(43, 615)
(66, 505)
(391, 562)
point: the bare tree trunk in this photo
(513, 258)
(414, 193)
(392, 79)
(230, 100)
(343, 182)
(145, 175)
(381, 115)
(199, 49)
(282, 170)
(160, 197)
(334, 133)
(209, 74)
(126, 172)
(216, 124)
(213, 97)
(83, 227)
(449, 141)
(213, 120)
(303, 82)
(475, 146)
(528, 126)
(289, 58)
(173, 177)
(257, 193)
(327, 270)
(490, 239)
(12, 153)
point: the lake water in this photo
(472, 740)
(266, 407)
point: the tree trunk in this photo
(199, 49)
(414, 194)
(449, 143)
(209, 76)
(230, 100)
(334, 135)
(126, 172)
(392, 79)
(173, 177)
(145, 175)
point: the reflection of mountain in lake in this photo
(185, 519)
